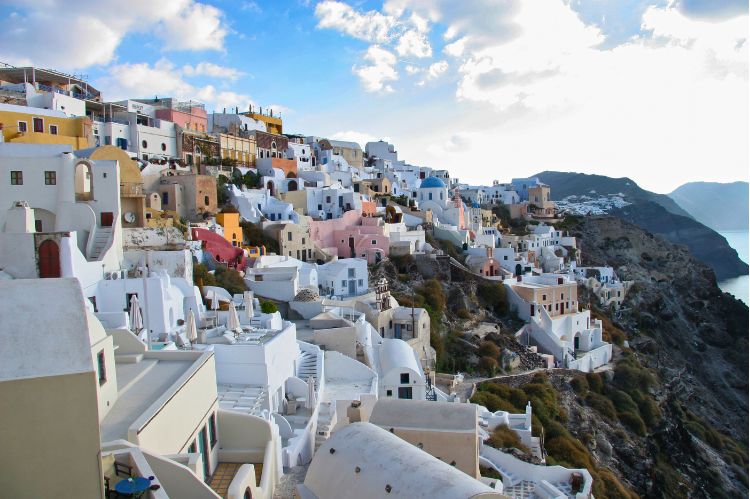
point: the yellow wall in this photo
(50, 437)
(273, 123)
(75, 132)
(130, 173)
(232, 229)
(461, 447)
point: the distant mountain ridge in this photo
(656, 213)
(716, 205)
(566, 184)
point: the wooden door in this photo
(49, 259)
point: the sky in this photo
(654, 90)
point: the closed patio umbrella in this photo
(191, 331)
(136, 318)
(233, 322)
(310, 402)
(248, 300)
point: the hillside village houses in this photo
(116, 215)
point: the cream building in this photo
(446, 430)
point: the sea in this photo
(738, 286)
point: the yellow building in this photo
(32, 125)
(239, 149)
(132, 196)
(273, 123)
(232, 229)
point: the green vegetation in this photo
(447, 247)
(223, 277)
(253, 236)
(503, 437)
(549, 418)
(492, 295)
(625, 399)
(268, 307)
(222, 194)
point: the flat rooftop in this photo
(345, 389)
(139, 385)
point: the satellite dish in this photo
(129, 217)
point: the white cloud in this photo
(412, 70)
(371, 26)
(413, 43)
(164, 79)
(213, 70)
(375, 76)
(434, 71)
(76, 34)
(360, 138)
(666, 107)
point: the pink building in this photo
(188, 115)
(352, 236)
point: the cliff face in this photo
(705, 244)
(682, 326)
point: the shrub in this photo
(488, 365)
(488, 349)
(610, 487)
(434, 296)
(630, 375)
(492, 296)
(579, 384)
(462, 313)
(503, 437)
(268, 307)
(595, 381)
(633, 421)
(492, 402)
(230, 279)
(623, 402)
(602, 405)
(253, 236)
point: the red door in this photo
(107, 219)
(49, 259)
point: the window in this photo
(164, 198)
(351, 272)
(205, 200)
(163, 146)
(374, 242)
(16, 177)
(328, 199)
(404, 392)
(39, 125)
(389, 393)
(212, 430)
(144, 144)
(50, 178)
(101, 368)
(303, 240)
(320, 207)
(404, 378)
(53, 129)
(343, 283)
(38, 225)
(193, 447)
(361, 282)
(121, 143)
(544, 297)
(22, 126)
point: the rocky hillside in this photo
(694, 339)
(655, 213)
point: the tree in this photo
(488, 365)
(268, 307)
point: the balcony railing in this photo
(130, 189)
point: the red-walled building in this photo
(221, 249)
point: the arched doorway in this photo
(83, 187)
(292, 185)
(269, 186)
(49, 259)
(519, 270)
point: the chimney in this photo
(224, 111)
(236, 110)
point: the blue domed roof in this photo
(431, 183)
(475, 205)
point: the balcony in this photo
(131, 190)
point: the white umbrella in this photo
(310, 402)
(233, 322)
(136, 318)
(191, 331)
(248, 300)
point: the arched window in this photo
(144, 144)
(83, 186)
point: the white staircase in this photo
(324, 424)
(308, 366)
(101, 240)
